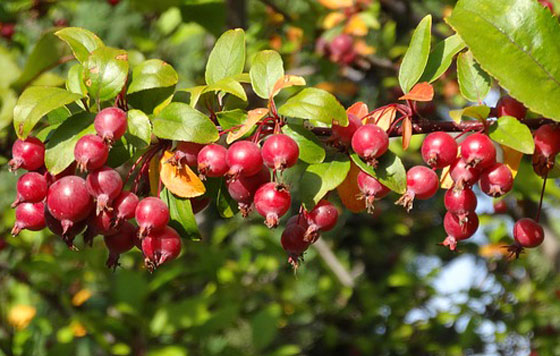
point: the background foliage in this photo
(376, 285)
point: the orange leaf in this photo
(420, 92)
(182, 182)
(492, 250)
(512, 159)
(348, 191)
(356, 26)
(333, 19)
(406, 132)
(384, 118)
(286, 82)
(336, 4)
(359, 109)
(363, 49)
(253, 117)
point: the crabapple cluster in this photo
(67, 204)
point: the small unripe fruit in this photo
(370, 142)
(29, 216)
(110, 124)
(152, 215)
(462, 174)
(478, 151)
(186, 154)
(321, 218)
(439, 150)
(422, 183)
(272, 201)
(31, 188)
(280, 152)
(293, 242)
(120, 242)
(69, 201)
(160, 247)
(244, 159)
(371, 190)
(508, 106)
(458, 229)
(342, 135)
(28, 154)
(91, 152)
(243, 189)
(496, 180)
(104, 184)
(212, 161)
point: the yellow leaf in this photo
(445, 181)
(286, 82)
(384, 118)
(476, 112)
(356, 26)
(336, 4)
(21, 315)
(153, 175)
(348, 191)
(492, 250)
(363, 49)
(359, 109)
(182, 182)
(333, 19)
(81, 297)
(512, 159)
(78, 329)
(253, 117)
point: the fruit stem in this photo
(542, 197)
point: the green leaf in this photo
(75, 83)
(10, 69)
(508, 131)
(8, 100)
(318, 179)
(58, 116)
(516, 41)
(441, 57)
(105, 72)
(150, 74)
(479, 112)
(60, 148)
(315, 104)
(474, 83)
(181, 215)
(416, 56)
(227, 85)
(139, 131)
(195, 93)
(81, 41)
(227, 207)
(36, 102)
(390, 171)
(46, 54)
(227, 57)
(179, 121)
(231, 118)
(267, 68)
(310, 147)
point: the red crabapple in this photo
(280, 152)
(243, 189)
(508, 106)
(243, 159)
(161, 246)
(462, 174)
(370, 142)
(120, 242)
(272, 201)
(547, 146)
(496, 180)
(321, 218)
(186, 154)
(104, 184)
(28, 154)
(124, 206)
(478, 151)
(110, 124)
(458, 230)
(293, 242)
(212, 161)
(439, 150)
(152, 215)
(31, 188)
(91, 152)
(69, 202)
(371, 190)
(422, 183)
(29, 216)
(527, 234)
(342, 135)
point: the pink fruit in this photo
(496, 180)
(462, 174)
(69, 201)
(120, 242)
(56, 228)
(371, 190)
(110, 124)
(125, 206)
(547, 146)
(186, 154)
(104, 184)
(527, 234)
(91, 152)
(280, 152)
(272, 201)
(458, 230)
(422, 183)
(342, 135)
(439, 150)
(370, 142)
(243, 159)
(160, 247)
(212, 161)
(243, 189)
(321, 218)
(152, 215)
(28, 154)
(294, 243)
(31, 188)
(508, 106)
(29, 216)
(478, 151)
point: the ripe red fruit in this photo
(527, 234)
(102, 223)
(460, 201)
(370, 142)
(478, 151)
(280, 152)
(272, 201)
(342, 135)
(243, 189)
(496, 180)
(124, 206)
(69, 201)
(110, 124)
(439, 150)
(422, 183)
(113, 2)
(28, 154)
(7, 30)
(212, 161)
(152, 215)
(104, 184)
(462, 174)
(500, 207)
(160, 247)
(244, 159)
(547, 146)
(120, 242)
(508, 106)
(31, 188)
(29, 216)
(548, 4)
(186, 154)
(56, 228)
(321, 218)
(341, 44)
(91, 152)
(293, 241)
(371, 190)
(458, 230)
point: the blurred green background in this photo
(374, 286)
